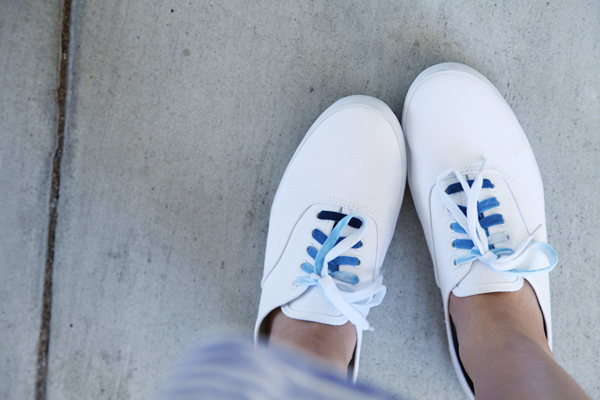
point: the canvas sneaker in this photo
(333, 218)
(477, 190)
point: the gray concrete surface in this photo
(28, 76)
(181, 119)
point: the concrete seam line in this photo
(44, 338)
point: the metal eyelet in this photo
(450, 226)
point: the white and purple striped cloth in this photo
(234, 368)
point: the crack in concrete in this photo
(44, 338)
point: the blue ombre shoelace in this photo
(471, 221)
(340, 286)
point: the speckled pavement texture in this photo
(181, 117)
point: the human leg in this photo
(329, 344)
(504, 349)
(479, 195)
(330, 226)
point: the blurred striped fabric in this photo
(234, 368)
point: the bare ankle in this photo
(491, 317)
(333, 345)
(501, 338)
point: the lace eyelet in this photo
(448, 211)
(359, 262)
(493, 188)
(454, 265)
(450, 226)
(454, 248)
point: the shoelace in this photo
(338, 286)
(470, 220)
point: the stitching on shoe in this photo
(339, 202)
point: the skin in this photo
(504, 349)
(503, 346)
(333, 345)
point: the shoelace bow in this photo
(470, 220)
(338, 286)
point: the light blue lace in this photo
(480, 243)
(338, 285)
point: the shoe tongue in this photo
(482, 279)
(313, 306)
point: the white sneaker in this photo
(346, 179)
(468, 154)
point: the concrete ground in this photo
(180, 119)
